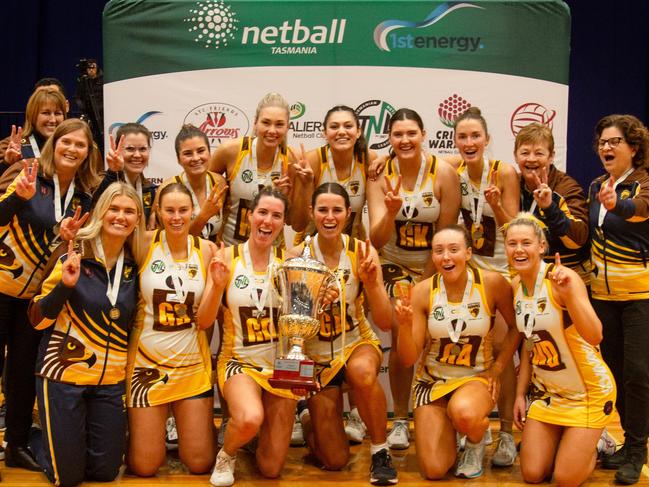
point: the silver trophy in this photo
(303, 282)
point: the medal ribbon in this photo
(476, 212)
(112, 288)
(601, 214)
(258, 293)
(58, 212)
(254, 163)
(454, 332)
(35, 149)
(334, 174)
(179, 287)
(529, 325)
(412, 199)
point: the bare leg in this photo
(243, 395)
(195, 433)
(146, 450)
(434, 440)
(323, 428)
(538, 448)
(274, 434)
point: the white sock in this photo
(470, 444)
(223, 453)
(377, 448)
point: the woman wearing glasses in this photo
(127, 161)
(619, 228)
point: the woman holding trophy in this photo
(346, 348)
(243, 298)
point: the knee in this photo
(566, 477)
(362, 374)
(334, 460)
(69, 479)
(464, 418)
(533, 474)
(269, 469)
(198, 464)
(432, 471)
(247, 421)
(143, 468)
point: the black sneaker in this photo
(382, 472)
(3, 415)
(615, 461)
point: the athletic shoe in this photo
(355, 428)
(297, 435)
(399, 436)
(614, 461)
(470, 464)
(505, 452)
(2, 452)
(221, 436)
(381, 471)
(171, 437)
(223, 473)
(605, 445)
(629, 472)
(487, 439)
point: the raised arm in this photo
(411, 316)
(384, 203)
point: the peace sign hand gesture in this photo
(26, 184)
(115, 156)
(542, 194)
(283, 183)
(301, 165)
(71, 224)
(71, 267)
(14, 149)
(366, 265)
(393, 200)
(492, 192)
(214, 201)
(218, 269)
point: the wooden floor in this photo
(299, 472)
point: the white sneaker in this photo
(469, 465)
(487, 439)
(297, 435)
(355, 428)
(399, 436)
(606, 444)
(505, 453)
(223, 473)
(171, 437)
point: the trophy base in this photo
(293, 374)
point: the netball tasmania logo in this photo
(212, 22)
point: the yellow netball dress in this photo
(571, 384)
(478, 218)
(460, 344)
(244, 182)
(405, 254)
(169, 357)
(249, 342)
(327, 347)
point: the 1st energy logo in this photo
(374, 116)
(386, 40)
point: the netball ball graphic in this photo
(531, 112)
(451, 108)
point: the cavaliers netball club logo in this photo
(529, 113)
(451, 108)
(213, 23)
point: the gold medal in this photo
(529, 344)
(456, 349)
(114, 313)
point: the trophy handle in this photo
(331, 279)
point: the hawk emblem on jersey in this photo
(192, 270)
(8, 260)
(76, 201)
(63, 351)
(128, 273)
(624, 195)
(541, 304)
(474, 309)
(354, 186)
(392, 274)
(427, 198)
(146, 199)
(144, 378)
